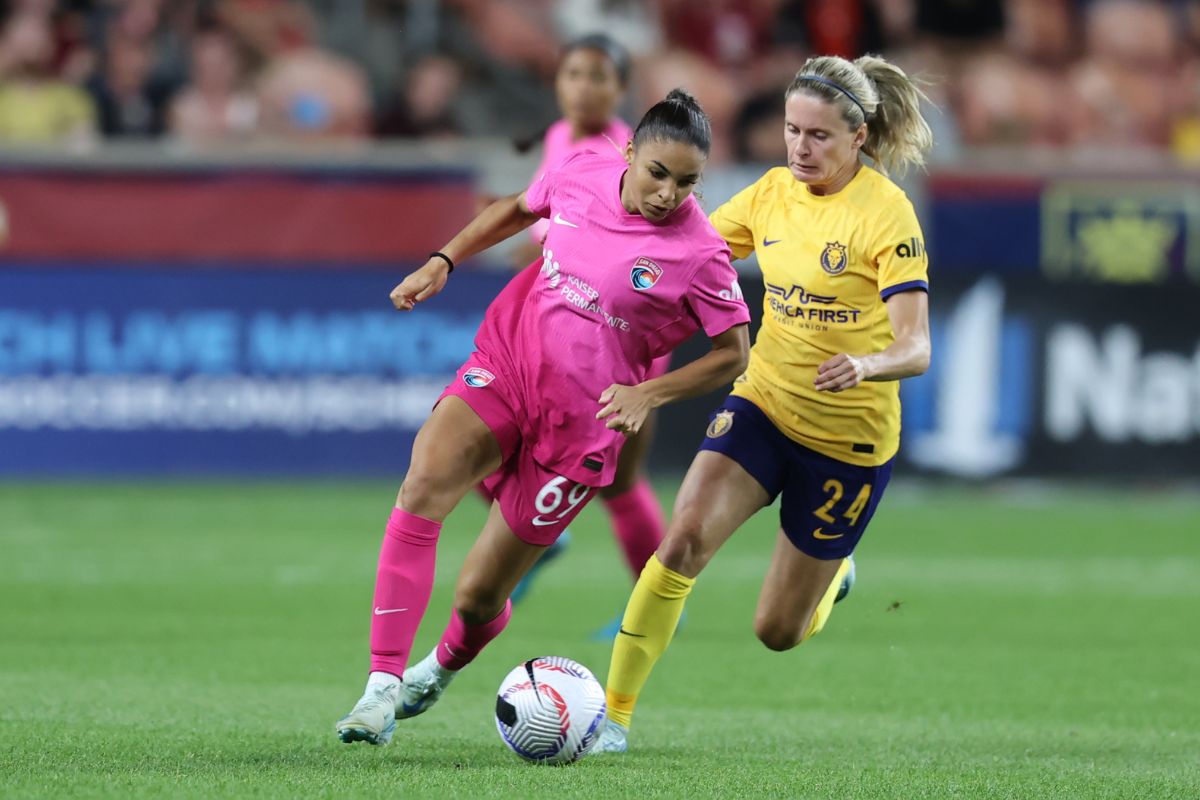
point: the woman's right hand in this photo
(421, 285)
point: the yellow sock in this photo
(825, 607)
(646, 630)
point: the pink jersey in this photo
(612, 292)
(558, 145)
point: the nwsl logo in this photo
(645, 274)
(477, 377)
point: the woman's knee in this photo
(684, 549)
(477, 601)
(425, 494)
(777, 634)
(454, 450)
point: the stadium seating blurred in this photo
(1055, 73)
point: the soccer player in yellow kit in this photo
(816, 416)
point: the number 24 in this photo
(835, 490)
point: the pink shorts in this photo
(537, 503)
(659, 366)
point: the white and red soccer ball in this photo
(550, 710)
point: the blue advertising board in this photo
(166, 371)
(221, 371)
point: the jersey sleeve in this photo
(900, 256)
(541, 191)
(732, 221)
(715, 298)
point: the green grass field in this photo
(199, 640)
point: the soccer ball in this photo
(550, 710)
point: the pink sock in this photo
(637, 522)
(462, 642)
(403, 583)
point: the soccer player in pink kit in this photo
(538, 413)
(589, 86)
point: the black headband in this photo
(838, 86)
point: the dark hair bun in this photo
(682, 96)
(678, 117)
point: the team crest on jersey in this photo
(645, 274)
(833, 258)
(477, 377)
(721, 425)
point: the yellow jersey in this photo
(829, 262)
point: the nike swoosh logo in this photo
(380, 611)
(819, 534)
(634, 635)
(768, 242)
(559, 219)
(539, 522)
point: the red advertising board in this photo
(215, 216)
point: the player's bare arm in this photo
(906, 357)
(497, 222)
(626, 407)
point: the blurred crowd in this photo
(1113, 74)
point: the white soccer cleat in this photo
(423, 685)
(613, 739)
(373, 718)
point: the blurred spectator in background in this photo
(423, 106)
(846, 28)
(74, 52)
(960, 24)
(507, 52)
(1043, 32)
(513, 32)
(1124, 92)
(727, 33)
(35, 106)
(309, 94)
(1084, 74)
(303, 92)
(1002, 100)
(758, 129)
(217, 106)
(131, 99)
(633, 23)
(268, 27)
(1185, 136)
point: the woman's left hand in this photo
(626, 408)
(839, 373)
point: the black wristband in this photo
(444, 257)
